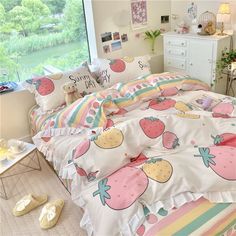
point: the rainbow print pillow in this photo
(111, 71)
(48, 89)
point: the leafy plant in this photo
(227, 57)
(152, 36)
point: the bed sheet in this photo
(199, 217)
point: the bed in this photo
(152, 156)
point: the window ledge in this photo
(19, 88)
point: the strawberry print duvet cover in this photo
(153, 150)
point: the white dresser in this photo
(195, 55)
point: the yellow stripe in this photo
(211, 222)
(186, 219)
(225, 224)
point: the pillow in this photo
(111, 71)
(48, 89)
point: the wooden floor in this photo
(38, 182)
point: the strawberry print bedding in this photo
(148, 146)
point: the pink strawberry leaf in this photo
(217, 139)
(162, 212)
(206, 156)
(102, 191)
(153, 160)
(151, 118)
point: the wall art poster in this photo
(116, 46)
(124, 38)
(106, 48)
(116, 36)
(192, 11)
(106, 37)
(138, 14)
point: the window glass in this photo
(38, 36)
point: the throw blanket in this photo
(151, 143)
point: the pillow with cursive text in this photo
(48, 89)
(111, 71)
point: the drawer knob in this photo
(182, 44)
(182, 53)
(182, 65)
(190, 63)
(169, 42)
(169, 51)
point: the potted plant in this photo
(152, 36)
(227, 57)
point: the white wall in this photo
(179, 7)
(14, 109)
(106, 13)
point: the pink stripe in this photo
(175, 215)
(218, 223)
(66, 113)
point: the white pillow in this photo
(48, 89)
(111, 71)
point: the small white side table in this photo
(29, 152)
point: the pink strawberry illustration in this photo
(121, 111)
(223, 108)
(221, 159)
(141, 230)
(162, 104)
(44, 86)
(138, 160)
(117, 65)
(169, 92)
(219, 115)
(152, 127)
(81, 172)
(81, 149)
(226, 139)
(46, 139)
(110, 123)
(170, 140)
(121, 189)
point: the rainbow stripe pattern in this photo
(91, 111)
(196, 218)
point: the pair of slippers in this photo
(49, 214)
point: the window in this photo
(41, 35)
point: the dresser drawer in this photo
(176, 63)
(173, 51)
(176, 42)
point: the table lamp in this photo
(223, 16)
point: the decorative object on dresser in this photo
(207, 23)
(152, 36)
(182, 28)
(195, 55)
(223, 16)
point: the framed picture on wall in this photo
(138, 14)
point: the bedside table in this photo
(7, 164)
